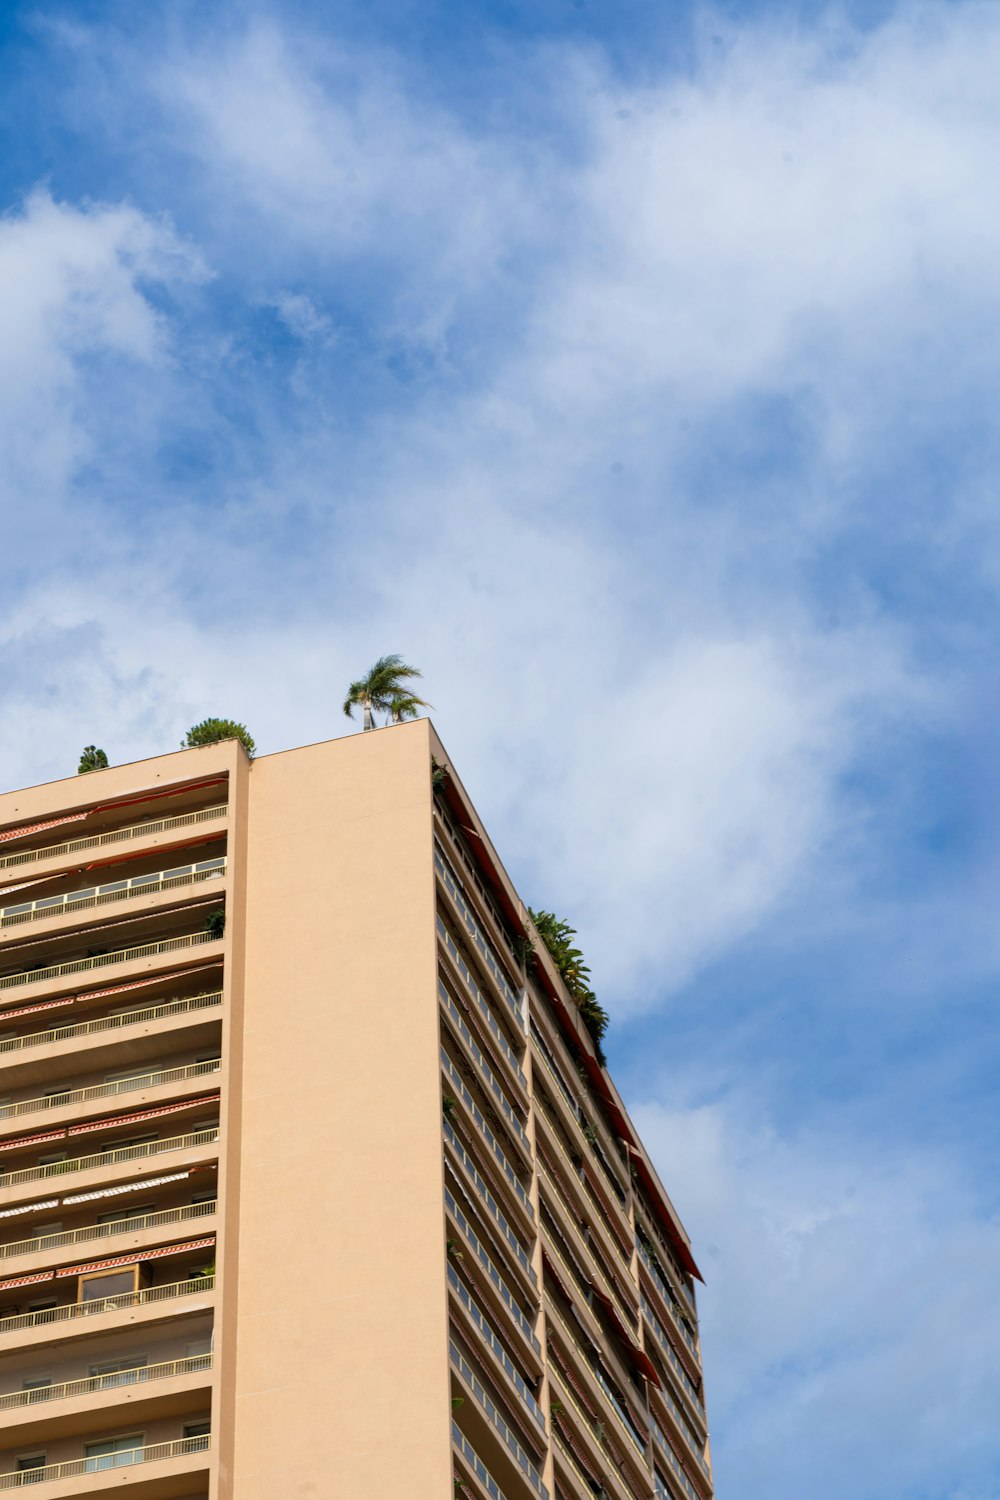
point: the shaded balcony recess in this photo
(465, 974)
(613, 1459)
(114, 836)
(690, 1389)
(619, 1412)
(139, 1081)
(522, 1458)
(579, 1175)
(677, 1470)
(662, 1255)
(670, 1301)
(686, 1431)
(70, 1389)
(57, 1033)
(456, 1080)
(180, 1215)
(195, 1286)
(102, 960)
(75, 1467)
(114, 890)
(458, 849)
(475, 1463)
(453, 886)
(491, 1339)
(565, 1211)
(486, 1072)
(71, 1200)
(499, 1285)
(110, 1157)
(483, 1190)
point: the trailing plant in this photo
(439, 776)
(558, 936)
(91, 759)
(211, 731)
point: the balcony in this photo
(104, 1163)
(12, 1048)
(474, 1465)
(183, 1457)
(56, 1104)
(604, 1458)
(500, 1427)
(491, 962)
(54, 1324)
(499, 1164)
(597, 1384)
(149, 829)
(584, 1250)
(23, 1405)
(687, 1436)
(125, 954)
(146, 1226)
(499, 1286)
(587, 1204)
(487, 1337)
(459, 1027)
(470, 1171)
(670, 1303)
(498, 1040)
(667, 1350)
(678, 1475)
(71, 903)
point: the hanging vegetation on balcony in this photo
(558, 936)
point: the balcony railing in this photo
(505, 1048)
(115, 890)
(610, 1284)
(521, 1458)
(475, 1463)
(495, 1345)
(668, 1349)
(483, 1190)
(101, 960)
(622, 1417)
(458, 1082)
(500, 1286)
(598, 1433)
(68, 1389)
(108, 1231)
(484, 1067)
(109, 1158)
(115, 836)
(107, 1090)
(690, 1437)
(453, 886)
(676, 1467)
(669, 1299)
(74, 1467)
(110, 1023)
(70, 1311)
(598, 1213)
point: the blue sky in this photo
(634, 370)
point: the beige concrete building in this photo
(307, 1187)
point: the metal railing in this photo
(668, 1348)
(484, 1068)
(74, 1467)
(109, 1090)
(101, 960)
(628, 1314)
(70, 1311)
(521, 1457)
(687, 1431)
(453, 886)
(494, 1344)
(109, 1158)
(663, 1443)
(475, 1463)
(659, 1249)
(598, 1212)
(109, 1230)
(669, 1299)
(115, 836)
(459, 1083)
(483, 1190)
(66, 1389)
(115, 890)
(110, 1023)
(500, 1286)
(473, 875)
(596, 1429)
(622, 1418)
(505, 1048)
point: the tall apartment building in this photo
(308, 1188)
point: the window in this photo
(55, 1096)
(53, 1159)
(196, 1435)
(199, 1349)
(31, 1465)
(121, 1371)
(207, 1195)
(40, 1231)
(42, 1305)
(97, 1285)
(122, 1215)
(113, 1453)
(38, 1387)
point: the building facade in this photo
(309, 1187)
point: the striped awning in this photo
(137, 1116)
(27, 1280)
(27, 828)
(33, 1140)
(131, 1260)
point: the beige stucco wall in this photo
(341, 1359)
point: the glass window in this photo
(31, 1466)
(100, 1284)
(121, 1371)
(113, 1453)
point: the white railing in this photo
(100, 960)
(484, 1068)
(110, 1090)
(475, 1463)
(69, 1311)
(109, 1158)
(668, 1349)
(107, 1231)
(499, 1285)
(483, 1190)
(480, 999)
(74, 1467)
(115, 836)
(453, 886)
(494, 1344)
(67, 1389)
(669, 1298)
(459, 1083)
(521, 1457)
(58, 1033)
(114, 890)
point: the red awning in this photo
(30, 1010)
(114, 989)
(33, 1140)
(28, 828)
(167, 791)
(131, 1260)
(639, 1357)
(27, 1280)
(137, 1116)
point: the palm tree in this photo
(385, 690)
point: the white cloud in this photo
(848, 1321)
